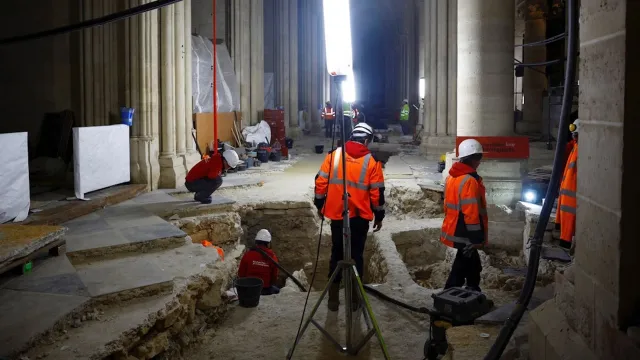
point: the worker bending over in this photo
(205, 177)
(566, 213)
(255, 264)
(329, 116)
(365, 185)
(404, 117)
(465, 224)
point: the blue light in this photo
(530, 196)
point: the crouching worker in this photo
(205, 177)
(255, 264)
(465, 223)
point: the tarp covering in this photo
(257, 134)
(14, 177)
(226, 82)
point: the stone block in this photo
(153, 347)
(584, 304)
(537, 342)
(598, 240)
(611, 343)
(564, 292)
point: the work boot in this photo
(334, 297)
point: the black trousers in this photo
(328, 128)
(203, 188)
(406, 130)
(359, 229)
(465, 269)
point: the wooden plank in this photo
(51, 248)
(204, 128)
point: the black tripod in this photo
(347, 267)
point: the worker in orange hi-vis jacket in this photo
(567, 204)
(365, 186)
(466, 223)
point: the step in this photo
(117, 231)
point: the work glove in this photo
(469, 249)
(377, 226)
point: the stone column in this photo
(595, 309)
(257, 60)
(433, 78)
(426, 18)
(485, 87)
(179, 94)
(293, 65)
(452, 70)
(169, 164)
(534, 81)
(315, 65)
(192, 156)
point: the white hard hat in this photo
(575, 126)
(362, 129)
(231, 157)
(469, 147)
(263, 235)
(406, 100)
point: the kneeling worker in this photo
(205, 177)
(465, 223)
(255, 264)
(365, 185)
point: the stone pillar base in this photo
(145, 168)
(172, 172)
(190, 159)
(502, 178)
(434, 146)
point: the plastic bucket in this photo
(249, 290)
(319, 149)
(126, 115)
(263, 155)
(289, 143)
(276, 156)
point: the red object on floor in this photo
(275, 119)
(500, 147)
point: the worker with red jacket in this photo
(256, 265)
(567, 201)
(205, 177)
(365, 186)
(465, 224)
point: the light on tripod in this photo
(349, 89)
(337, 37)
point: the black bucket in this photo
(249, 290)
(289, 143)
(263, 155)
(319, 149)
(276, 156)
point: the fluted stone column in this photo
(171, 167)
(179, 94)
(257, 60)
(441, 99)
(191, 156)
(293, 66)
(534, 81)
(485, 87)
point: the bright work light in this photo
(337, 36)
(349, 89)
(422, 88)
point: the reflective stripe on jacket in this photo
(567, 204)
(346, 109)
(404, 113)
(365, 185)
(328, 113)
(465, 208)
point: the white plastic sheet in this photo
(100, 157)
(258, 133)
(14, 177)
(202, 77)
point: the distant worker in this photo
(205, 177)
(346, 117)
(566, 213)
(329, 116)
(255, 264)
(404, 117)
(365, 185)
(466, 223)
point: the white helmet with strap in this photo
(362, 130)
(469, 147)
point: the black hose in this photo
(552, 191)
(90, 23)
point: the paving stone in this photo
(113, 276)
(95, 240)
(86, 226)
(154, 197)
(53, 275)
(24, 315)
(127, 221)
(151, 232)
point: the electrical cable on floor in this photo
(315, 266)
(90, 23)
(552, 191)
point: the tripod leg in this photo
(374, 322)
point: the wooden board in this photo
(204, 128)
(19, 243)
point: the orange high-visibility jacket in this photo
(365, 185)
(328, 113)
(465, 208)
(566, 213)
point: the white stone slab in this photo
(14, 177)
(100, 157)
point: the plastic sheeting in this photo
(258, 133)
(14, 177)
(269, 91)
(226, 82)
(100, 157)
